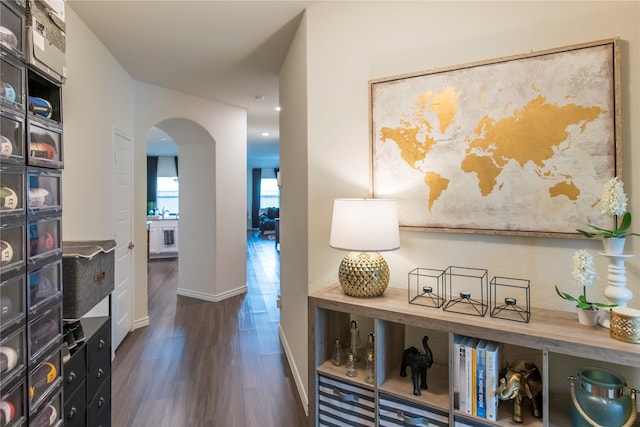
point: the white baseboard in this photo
(140, 323)
(210, 297)
(294, 371)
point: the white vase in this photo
(588, 317)
(614, 245)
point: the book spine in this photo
(469, 370)
(462, 377)
(456, 371)
(481, 409)
(492, 356)
(474, 381)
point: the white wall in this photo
(294, 218)
(212, 141)
(350, 43)
(97, 98)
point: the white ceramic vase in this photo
(588, 317)
(614, 245)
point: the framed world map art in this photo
(518, 145)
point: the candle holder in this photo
(467, 288)
(510, 299)
(427, 287)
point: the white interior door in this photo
(123, 201)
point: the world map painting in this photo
(518, 145)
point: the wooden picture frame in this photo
(520, 145)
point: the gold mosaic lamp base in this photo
(364, 274)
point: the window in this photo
(269, 193)
(168, 193)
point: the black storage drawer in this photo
(99, 410)
(75, 407)
(75, 371)
(99, 359)
(88, 373)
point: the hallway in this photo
(205, 364)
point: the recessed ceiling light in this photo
(278, 108)
(265, 133)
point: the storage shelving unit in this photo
(549, 337)
(30, 228)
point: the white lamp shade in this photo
(365, 225)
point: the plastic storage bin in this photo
(44, 190)
(49, 414)
(12, 91)
(12, 302)
(44, 333)
(44, 378)
(44, 144)
(12, 246)
(44, 240)
(11, 191)
(13, 399)
(12, 29)
(45, 286)
(13, 349)
(11, 137)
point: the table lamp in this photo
(364, 227)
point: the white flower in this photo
(584, 272)
(614, 200)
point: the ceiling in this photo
(227, 51)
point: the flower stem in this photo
(584, 293)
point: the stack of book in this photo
(476, 370)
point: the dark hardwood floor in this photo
(208, 364)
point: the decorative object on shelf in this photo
(419, 364)
(616, 291)
(355, 344)
(337, 357)
(427, 287)
(351, 366)
(614, 201)
(370, 343)
(509, 299)
(520, 379)
(600, 400)
(466, 283)
(369, 369)
(584, 274)
(625, 324)
(614, 245)
(364, 227)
